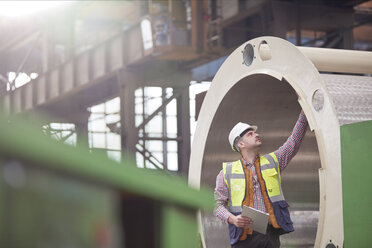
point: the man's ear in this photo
(240, 144)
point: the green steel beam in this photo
(22, 140)
(356, 156)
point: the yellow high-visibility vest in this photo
(235, 180)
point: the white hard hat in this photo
(237, 130)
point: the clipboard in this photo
(260, 219)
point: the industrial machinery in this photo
(266, 81)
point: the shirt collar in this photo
(247, 163)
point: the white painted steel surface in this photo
(265, 93)
(339, 60)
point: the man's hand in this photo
(239, 220)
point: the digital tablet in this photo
(260, 219)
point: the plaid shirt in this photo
(284, 154)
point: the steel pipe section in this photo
(266, 82)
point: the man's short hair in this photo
(239, 137)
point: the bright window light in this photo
(21, 79)
(146, 34)
(34, 75)
(24, 8)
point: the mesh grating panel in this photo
(351, 95)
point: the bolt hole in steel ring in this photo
(264, 51)
(318, 100)
(248, 54)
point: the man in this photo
(254, 181)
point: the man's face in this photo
(250, 140)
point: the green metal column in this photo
(179, 228)
(2, 206)
(356, 155)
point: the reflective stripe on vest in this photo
(270, 172)
(235, 180)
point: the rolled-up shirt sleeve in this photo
(289, 149)
(221, 195)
